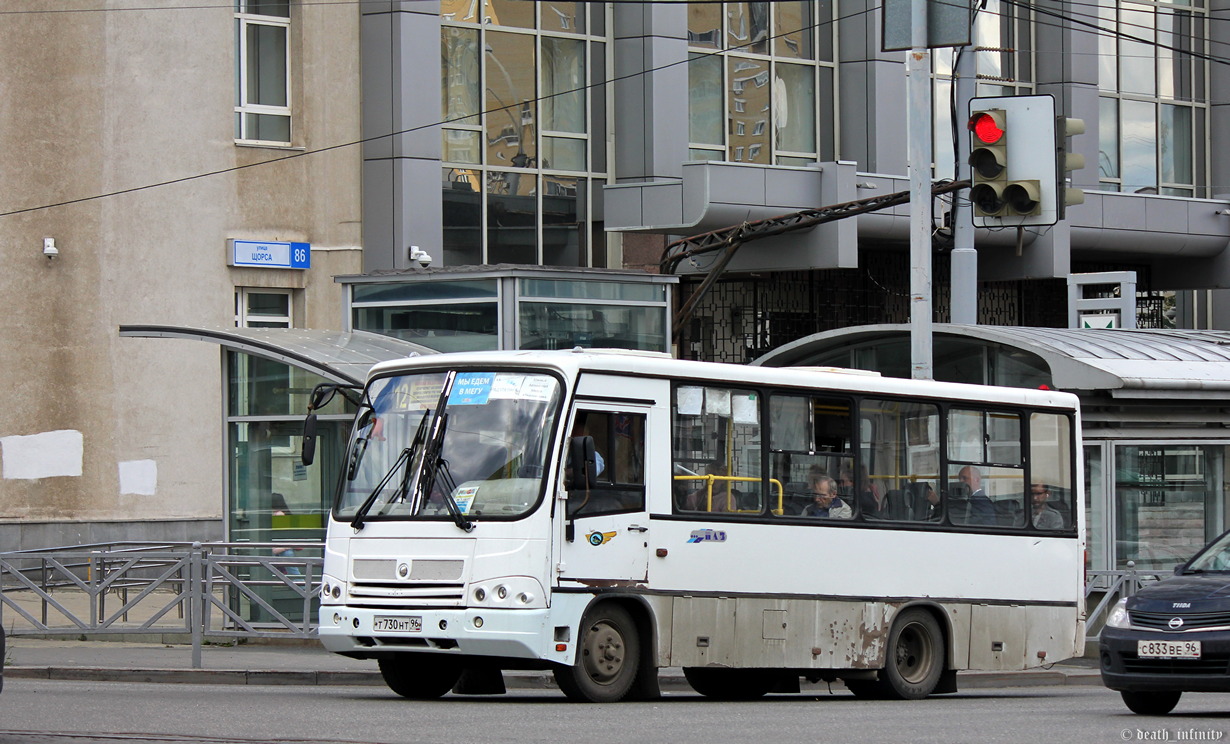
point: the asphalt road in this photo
(62, 712)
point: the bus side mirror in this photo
(308, 455)
(581, 452)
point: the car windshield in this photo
(465, 445)
(1215, 556)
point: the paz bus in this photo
(606, 514)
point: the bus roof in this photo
(656, 364)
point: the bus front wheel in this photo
(915, 656)
(419, 677)
(608, 656)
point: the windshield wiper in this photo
(366, 506)
(433, 466)
(406, 456)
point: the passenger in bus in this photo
(981, 510)
(1046, 517)
(870, 504)
(826, 503)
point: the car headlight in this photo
(1118, 617)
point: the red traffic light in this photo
(987, 127)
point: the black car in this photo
(1173, 636)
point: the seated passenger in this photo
(826, 503)
(1045, 515)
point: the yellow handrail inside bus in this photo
(730, 497)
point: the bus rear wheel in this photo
(915, 656)
(608, 656)
(729, 684)
(420, 677)
(1151, 703)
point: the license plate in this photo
(1168, 649)
(398, 624)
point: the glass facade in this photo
(761, 82)
(524, 133)
(1154, 101)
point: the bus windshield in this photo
(461, 445)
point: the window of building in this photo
(524, 138)
(761, 82)
(263, 308)
(262, 71)
(1154, 102)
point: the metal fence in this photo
(226, 590)
(238, 590)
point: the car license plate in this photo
(412, 624)
(1168, 649)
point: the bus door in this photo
(606, 526)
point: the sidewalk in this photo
(305, 663)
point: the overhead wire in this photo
(692, 56)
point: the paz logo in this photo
(599, 538)
(707, 535)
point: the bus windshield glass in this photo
(461, 445)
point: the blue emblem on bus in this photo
(707, 535)
(599, 538)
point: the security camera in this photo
(49, 248)
(422, 257)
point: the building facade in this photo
(505, 132)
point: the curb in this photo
(513, 680)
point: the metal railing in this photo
(1109, 587)
(228, 590)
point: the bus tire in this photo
(729, 684)
(1151, 703)
(608, 657)
(915, 656)
(419, 677)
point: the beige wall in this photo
(98, 102)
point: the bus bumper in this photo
(501, 633)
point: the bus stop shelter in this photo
(1155, 417)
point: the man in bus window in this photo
(826, 503)
(981, 510)
(1045, 515)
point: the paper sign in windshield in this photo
(471, 389)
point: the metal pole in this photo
(196, 601)
(919, 118)
(963, 292)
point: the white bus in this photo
(464, 542)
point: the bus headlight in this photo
(1118, 617)
(521, 592)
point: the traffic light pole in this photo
(918, 121)
(963, 273)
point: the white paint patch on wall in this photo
(46, 455)
(138, 477)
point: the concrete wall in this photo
(102, 430)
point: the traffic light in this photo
(1012, 173)
(1067, 161)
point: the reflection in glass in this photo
(747, 27)
(793, 26)
(1108, 138)
(564, 16)
(1137, 68)
(795, 107)
(563, 85)
(563, 221)
(1176, 131)
(463, 326)
(1108, 62)
(459, 90)
(563, 153)
(1138, 127)
(557, 325)
(512, 217)
(705, 119)
(748, 110)
(462, 217)
(511, 117)
(705, 24)
(512, 13)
